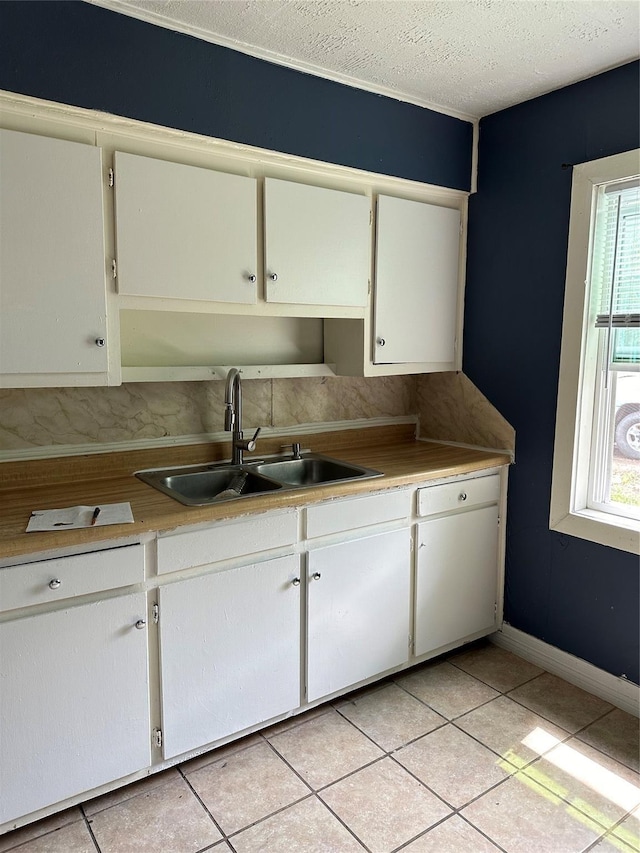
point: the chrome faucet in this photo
(233, 418)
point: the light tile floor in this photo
(474, 753)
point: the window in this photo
(596, 470)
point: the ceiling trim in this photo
(150, 17)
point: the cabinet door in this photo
(184, 232)
(74, 702)
(457, 571)
(416, 282)
(230, 652)
(53, 312)
(317, 244)
(358, 611)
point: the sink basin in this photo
(204, 485)
(312, 470)
(208, 484)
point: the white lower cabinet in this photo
(237, 643)
(457, 564)
(358, 611)
(229, 651)
(74, 702)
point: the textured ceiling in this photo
(469, 57)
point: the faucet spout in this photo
(232, 395)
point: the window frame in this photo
(574, 414)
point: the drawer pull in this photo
(296, 582)
(140, 624)
(54, 583)
(462, 496)
(316, 576)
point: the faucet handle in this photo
(251, 444)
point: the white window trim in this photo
(568, 493)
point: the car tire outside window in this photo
(628, 435)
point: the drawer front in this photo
(226, 540)
(66, 577)
(342, 515)
(459, 495)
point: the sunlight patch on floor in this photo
(585, 770)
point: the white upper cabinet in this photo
(317, 245)
(416, 282)
(203, 253)
(53, 315)
(184, 232)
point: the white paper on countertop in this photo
(72, 517)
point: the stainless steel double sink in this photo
(199, 485)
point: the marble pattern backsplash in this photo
(43, 417)
(449, 408)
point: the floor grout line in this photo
(262, 819)
(340, 820)
(87, 823)
(199, 799)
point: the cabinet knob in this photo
(296, 582)
(252, 278)
(273, 276)
(462, 496)
(316, 576)
(140, 624)
(100, 342)
(54, 583)
(381, 342)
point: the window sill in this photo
(601, 527)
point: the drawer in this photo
(459, 495)
(66, 577)
(349, 514)
(226, 540)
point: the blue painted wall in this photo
(579, 596)
(80, 54)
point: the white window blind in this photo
(615, 271)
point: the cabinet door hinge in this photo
(114, 268)
(112, 177)
(157, 738)
(410, 643)
(155, 612)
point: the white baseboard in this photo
(618, 691)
